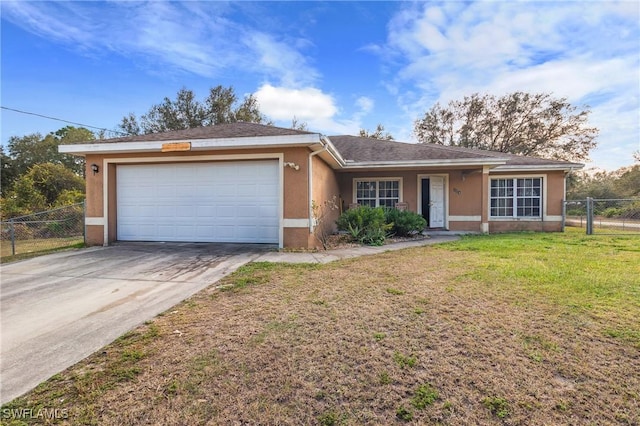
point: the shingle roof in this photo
(359, 149)
(228, 130)
(351, 148)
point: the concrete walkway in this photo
(347, 253)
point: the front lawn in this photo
(501, 329)
(36, 247)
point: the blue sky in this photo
(339, 66)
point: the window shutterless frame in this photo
(377, 192)
(517, 197)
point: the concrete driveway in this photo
(57, 309)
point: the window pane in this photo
(528, 197)
(389, 193)
(501, 197)
(366, 193)
(378, 193)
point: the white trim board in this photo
(196, 144)
(473, 218)
(295, 223)
(94, 221)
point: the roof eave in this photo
(539, 167)
(424, 163)
(196, 144)
(334, 155)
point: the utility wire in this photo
(64, 121)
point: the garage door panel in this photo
(200, 202)
(225, 211)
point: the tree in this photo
(29, 150)
(43, 187)
(379, 133)
(517, 123)
(628, 181)
(7, 172)
(621, 183)
(299, 125)
(599, 185)
(185, 112)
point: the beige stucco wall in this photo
(409, 182)
(467, 202)
(555, 187)
(466, 191)
(326, 195)
(524, 225)
(94, 235)
(467, 195)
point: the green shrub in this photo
(364, 224)
(404, 222)
(612, 212)
(372, 225)
(632, 211)
(374, 236)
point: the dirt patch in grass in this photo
(418, 335)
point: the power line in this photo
(64, 121)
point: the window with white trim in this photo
(516, 197)
(376, 192)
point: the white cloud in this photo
(280, 61)
(185, 36)
(365, 104)
(585, 51)
(312, 106)
(281, 103)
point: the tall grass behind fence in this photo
(604, 216)
(43, 231)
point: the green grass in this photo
(497, 405)
(259, 273)
(516, 328)
(26, 249)
(424, 396)
(404, 361)
(595, 273)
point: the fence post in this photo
(84, 222)
(589, 216)
(564, 214)
(13, 237)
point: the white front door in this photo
(436, 202)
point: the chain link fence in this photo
(604, 216)
(61, 227)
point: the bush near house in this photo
(372, 225)
(365, 224)
(405, 223)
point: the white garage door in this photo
(199, 202)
